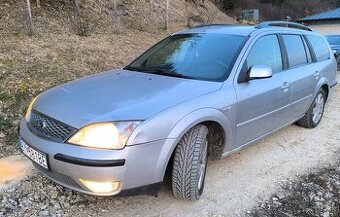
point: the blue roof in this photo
(327, 15)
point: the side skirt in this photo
(248, 144)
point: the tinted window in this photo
(295, 50)
(266, 51)
(320, 47)
(309, 55)
(197, 56)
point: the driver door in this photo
(263, 104)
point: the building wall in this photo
(326, 28)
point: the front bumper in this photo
(143, 165)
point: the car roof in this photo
(220, 29)
(231, 29)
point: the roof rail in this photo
(283, 24)
(212, 24)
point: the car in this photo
(207, 91)
(334, 42)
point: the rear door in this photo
(305, 74)
(263, 105)
(322, 57)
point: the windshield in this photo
(194, 56)
(333, 40)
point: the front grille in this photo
(49, 128)
(59, 178)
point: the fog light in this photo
(100, 187)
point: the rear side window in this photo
(320, 47)
(295, 50)
(308, 52)
(266, 51)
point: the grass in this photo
(31, 65)
(5, 124)
(4, 97)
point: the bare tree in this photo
(167, 15)
(25, 16)
(116, 13)
(80, 18)
(29, 11)
(38, 4)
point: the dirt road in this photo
(233, 185)
(13, 169)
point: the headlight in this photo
(29, 109)
(104, 135)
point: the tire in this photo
(338, 62)
(314, 114)
(190, 163)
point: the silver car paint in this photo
(141, 167)
(118, 95)
(169, 107)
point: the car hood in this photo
(118, 95)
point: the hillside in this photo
(106, 16)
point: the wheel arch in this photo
(322, 84)
(215, 120)
(325, 87)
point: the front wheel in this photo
(314, 114)
(338, 62)
(190, 163)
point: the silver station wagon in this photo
(203, 92)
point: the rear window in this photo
(320, 47)
(295, 50)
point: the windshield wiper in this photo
(168, 73)
(158, 72)
(132, 68)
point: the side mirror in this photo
(260, 72)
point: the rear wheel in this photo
(190, 163)
(314, 114)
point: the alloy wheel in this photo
(318, 108)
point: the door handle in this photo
(317, 74)
(285, 85)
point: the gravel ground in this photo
(313, 195)
(37, 196)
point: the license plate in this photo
(36, 156)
